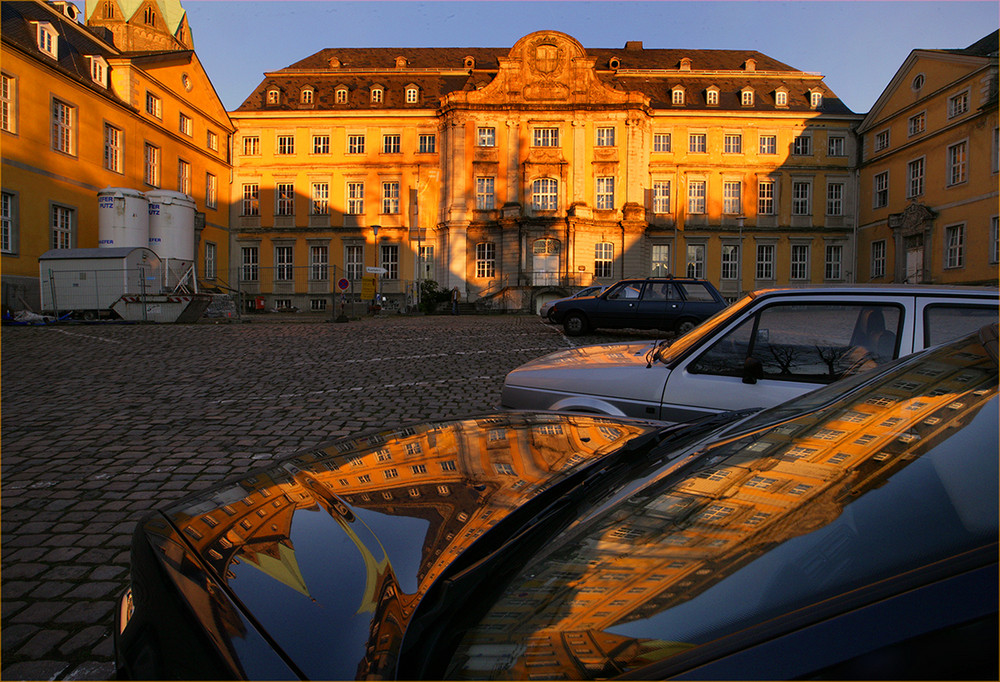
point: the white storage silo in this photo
(122, 218)
(171, 234)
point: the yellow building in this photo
(122, 102)
(517, 175)
(928, 174)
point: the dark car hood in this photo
(328, 553)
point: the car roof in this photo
(883, 290)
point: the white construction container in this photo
(171, 234)
(122, 218)
(87, 282)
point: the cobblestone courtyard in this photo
(102, 423)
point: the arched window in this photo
(412, 94)
(341, 95)
(544, 194)
(307, 96)
(149, 16)
(272, 97)
(377, 95)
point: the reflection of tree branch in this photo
(784, 356)
(832, 357)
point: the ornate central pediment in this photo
(912, 219)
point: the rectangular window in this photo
(880, 197)
(8, 220)
(835, 198)
(8, 102)
(427, 143)
(319, 263)
(878, 259)
(390, 197)
(732, 144)
(389, 259)
(765, 197)
(661, 142)
(426, 262)
(355, 144)
(186, 125)
(283, 263)
(63, 127)
(212, 140)
(834, 262)
(355, 198)
(484, 194)
(800, 262)
(354, 261)
(112, 148)
(802, 145)
(284, 198)
(660, 266)
(695, 265)
(251, 145)
(286, 144)
(882, 140)
(251, 200)
(320, 198)
(605, 194)
(958, 104)
(917, 123)
(545, 137)
(62, 227)
(697, 143)
(661, 196)
(151, 165)
(604, 259)
(249, 263)
(994, 240)
(321, 144)
(183, 176)
(768, 144)
(800, 198)
(696, 197)
(544, 194)
(730, 261)
(605, 137)
(732, 202)
(211, 260)
(486, 259)
(955, 240)
(915, 177)
(486, 137)
(391, 144)
(765, 262)
(154, 107)
(211, 191)
(835, 146)
(957, 163)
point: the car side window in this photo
(657, 291)
(814, 343)
(625, 291)
(947, 321)
(695, 291)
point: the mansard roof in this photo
(440, 71)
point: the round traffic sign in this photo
(343, 284)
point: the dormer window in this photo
(412, 94)
(677, 95)
(48, 39)
(781, 97)
(334, 63)
(815, 98)
(401, 62)
(712, 96)
(273, 96)
(340, 95)
(98, 70)
(469, 62)
(746, 97)
(686, 64)
(377, 94)
(306, 96)
(750, 64)
(615, 63)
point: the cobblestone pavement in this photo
(102, 423)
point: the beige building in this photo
(928, 173)
(519, 174)
(119, 102)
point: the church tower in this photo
(142, 25)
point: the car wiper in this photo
(444, 614)
(656, 352)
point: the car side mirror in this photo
(752, 370)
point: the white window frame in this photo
(151, 165)
(185, 124)
(815, 99)
(882, 140)
(251, 145)
(915, 171)
(697, 196)
(711, 97)
(730, 263)
(994, 240)
(545, 136)
(319, 262)
(211, 262)
(183, 176)
(799, 262)
(377, 95)
(340, 96)
(732, 143)
(605, 193)
(427, 143)
(392, 143)
(917, 123)
(677, 96)
(545, 194)
(604, 260)
(306, 96)
(765, 197)
(833, 265)
(355, 144)
(954, 240)
(354, 261)
(659, 260)
(746, 97)
(661, 142)
(764, 264)
(211, 191)
(8, 222)
(958, 163)
(154, 105)
(781, 98)
(802, 145)
(284, 199)
(878, 255)
(835, 198)
(273, 96)
(958, 104)
(486, 260)
(64, 122)
(98, 70)
(284, 263)
(355, 198)
(732, 197)
(320, 199)
(251, 199)
(114, 145)
(697, 143)
(284, 145)
(8, 103)
(486, 136)
(321, 143)
(661, 196)
(412, 94)
(249, 263)
(767, 145)
(605, 136)
(62, 224)
(212, 140)
(389, 259)
(390, 197)
(485, 193)
(801, 198)
(836, 145)
(694, 263)
(880, 189)
(47, 39)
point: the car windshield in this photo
(891, 473)
(670, 350)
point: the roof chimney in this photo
(633, 44)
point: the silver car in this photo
(767, 348)
(546, 309)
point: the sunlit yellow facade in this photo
(81, 115)
(928, 176)
(519, 174)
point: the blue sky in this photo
(857, 45)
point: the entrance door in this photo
(914, 259)
(545, 262)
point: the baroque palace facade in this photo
(119, 102)
(526, 172)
